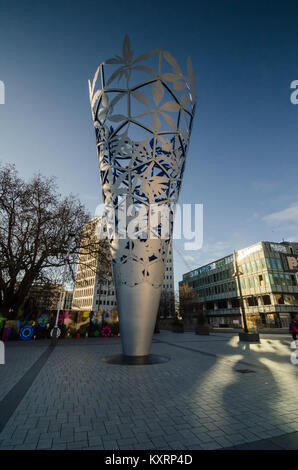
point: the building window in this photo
(252, 301)
(261, 280)
(279, 266)
(273, 263)
(268, 263)
(253, 266)
(235, 303)
(258, 264)
(266, 299)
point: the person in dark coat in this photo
(294, 331)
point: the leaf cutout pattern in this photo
(170, 59)
(143, 68)
(127, 52)
(141, 97)
(148, 170)
(156, 122)
(169, 120)
(146, 56)
(170, 106)
(157, 92)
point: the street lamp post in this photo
(55, 331)
(237, 275)
(246, 335)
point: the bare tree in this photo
(166, 304)
(186, 295)
(37, 225)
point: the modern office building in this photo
(268, 284)
(42, 297)
(67, 299)
(90, 292)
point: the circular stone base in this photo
(124, 360)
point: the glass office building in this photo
(268, 282)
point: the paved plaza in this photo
(214, 393)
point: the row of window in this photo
(260, 280)
(107, 283)
(261, 264)
(253, 266)
(216, 277)
(106, 302)
(219, 289)
(80, 303)
(84, 292)
(105, 292)
(86, 273)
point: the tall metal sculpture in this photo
(142, 110)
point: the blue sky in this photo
(242, 162)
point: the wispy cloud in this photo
(288, 215)
(213, 251)
(264, 186)
(189, 258)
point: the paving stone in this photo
(110, 445)
(59, 446)
(147, 445)
(168, 406)
(77, 445)
(124, 442)
(45, 444)
(210, 446)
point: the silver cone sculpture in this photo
(142, 109)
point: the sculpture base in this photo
(122, 359)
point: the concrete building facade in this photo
(268, 281)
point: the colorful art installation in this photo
(108, 317)
(26, 332)
(71, 323)
(106, 331)
(96, 318)
(43, 320)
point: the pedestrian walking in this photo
(290, 326)
(294, 331)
